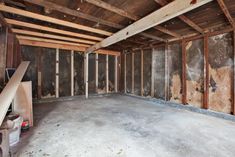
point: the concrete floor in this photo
(122, 126)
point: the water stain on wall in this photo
(137, 73)
(147, 72)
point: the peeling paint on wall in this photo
(220, 61)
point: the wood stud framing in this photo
(206, 74)
(133, 72)
(233, 76)
(86, 73)
(72, 73)
(125, 72)
(107, 73)
(184, 82)
(57, 74)
(152, 73)
(166, 73)
(96, 71)
(142, 73)
(116, 74)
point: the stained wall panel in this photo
(128, 72)
(137, 73)
(48, 59)
(64, 73)
(147, 72)
(79, 88)
(29, 53)
(194, 72)
(220, 70)
(102, 74)
(111, 73)
(175, 72)
(2, 56)
(159, 72)
(91, 76)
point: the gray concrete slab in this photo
(123, 126)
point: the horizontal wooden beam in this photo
(64, 47)
(52, 20)
(183, 17)
(226, 12)
(49, 29)
(8, 93)
(49, 40)
(52, 36)
(164, 14)
(79, 14)
(124, 13)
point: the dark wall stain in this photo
(79, 74)
(137, 73)
(2, 55)
(159, 72)
(91, 76)
(102, 73)
(48, 72)
(128, 72)
(111, 73)
(64, 73)
(147, 71)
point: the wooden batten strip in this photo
(184, 82)
(52, 20)
(206, 74)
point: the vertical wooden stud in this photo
(116, 74)
(133, 73)
(125, 72)
(142, 73)
(96, 71)
(184, 83)
(39, 70)
(206, 73)
(166, 73)
(57, 74)
(72, 73)
(152, 74)
(86, 74)
(233, 76)
(107, 73)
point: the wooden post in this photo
(96, 71)
(152, 74)
(107, 73)
(206, 73)
(133, 73)
(125, 73)
(142, 73)
(233, 76)
(116, 74)
(39, 70)
(72, 73)
(86, 74)
(57, 74)
(184, 83)
(166, 73)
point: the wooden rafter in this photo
(226, 12)
(52, 20)
(79, 14)
(49, 29)
(183, 17)
(164, 14)
(44, 35)
(124, 13)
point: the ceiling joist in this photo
(183, 18)
(173, 9)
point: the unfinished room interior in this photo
(117, 78)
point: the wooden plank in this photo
(86, 74)
(166, 73)
(52, 36)
(233, 76)
(79, 14)
(142, 73)
(57, 74)
(52, 20)
(50, 29)
(10, 89)
(96, 72)
(163, 14)
(132, 72)
(125, 72)
(107, 73)
(72, 73)
(65, 47)
(49, 40)
(184, 82)
(206, 74)
(183, 17)
(152, 73)
(116, 74)
(10, 50)
(23, 102)
(124, 13)
(226, 12)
